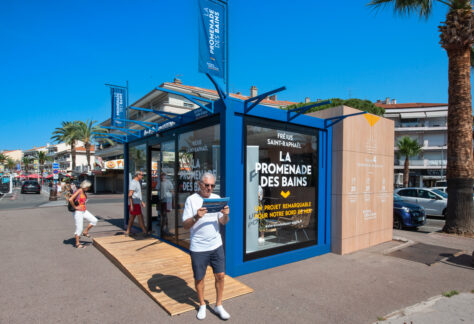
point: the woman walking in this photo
(78, 200)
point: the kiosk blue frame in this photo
(231, 114)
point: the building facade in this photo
(427, 124)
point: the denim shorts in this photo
(214, 258)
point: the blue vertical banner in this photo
(118, 96)
(212, 37)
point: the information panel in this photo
(281, 190)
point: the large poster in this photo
(212, 33)
(118, 96)
(281, 189)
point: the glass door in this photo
(162, 209)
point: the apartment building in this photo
(15, 155)
(61, 153)
(427, 124)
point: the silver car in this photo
(433, 201)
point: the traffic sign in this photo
(55, 171)
(55, 166)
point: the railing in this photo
(425, 162)
(419, 125)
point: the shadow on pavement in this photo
(463, 261)
(175, 288)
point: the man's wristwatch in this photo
(195, 218)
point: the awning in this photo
(412, 115)
(431, 114)
(391, 115)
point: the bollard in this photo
(53, 194)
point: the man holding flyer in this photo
(206, 242)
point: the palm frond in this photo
(407, 7)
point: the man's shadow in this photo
(175, 288)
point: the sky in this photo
(56, 56)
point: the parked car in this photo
(31, 186)
(443, 189)
(406, 214)
(433, 201)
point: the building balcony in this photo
(420, 128)
(429, 148)
(421, 164)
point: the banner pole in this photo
(227, 46)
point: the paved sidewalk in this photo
(438, 309)
(46, 280)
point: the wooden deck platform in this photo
(163, 272)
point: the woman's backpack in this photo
(70, 206)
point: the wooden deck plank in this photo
(163, 272)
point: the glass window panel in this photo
(163, 209)
(281, 190)
(137, 162)
(199, 152)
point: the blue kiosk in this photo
(274, 164)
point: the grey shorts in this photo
(214, 258)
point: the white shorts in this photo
(79, 217)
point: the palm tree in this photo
(85, 133)
(407, 147)
(42, 158)
(457, 39)
(3, 158)
(11, 164)
(26, 163)
(66, 134)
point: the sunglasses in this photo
(207, 185)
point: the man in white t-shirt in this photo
(206, 242)
(135, 202)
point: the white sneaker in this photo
(201, 312)
(221, 312)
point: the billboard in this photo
(212, 37)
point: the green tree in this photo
(67, 134)
(10, 164)
(407, 147)
(364, 105)
(456, 37)
(26, 163)
(3, 158)
(42, 158)
(85, 132)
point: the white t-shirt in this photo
(137, 191)
(205, 234)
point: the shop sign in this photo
(114, 164)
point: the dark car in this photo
(31, 186)
(406, 214)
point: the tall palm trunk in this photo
(456, 38)
(88, 155)
(460, 164)
(73, 155)
(406, 172)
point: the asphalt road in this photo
(433, 224)
(17, 200)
